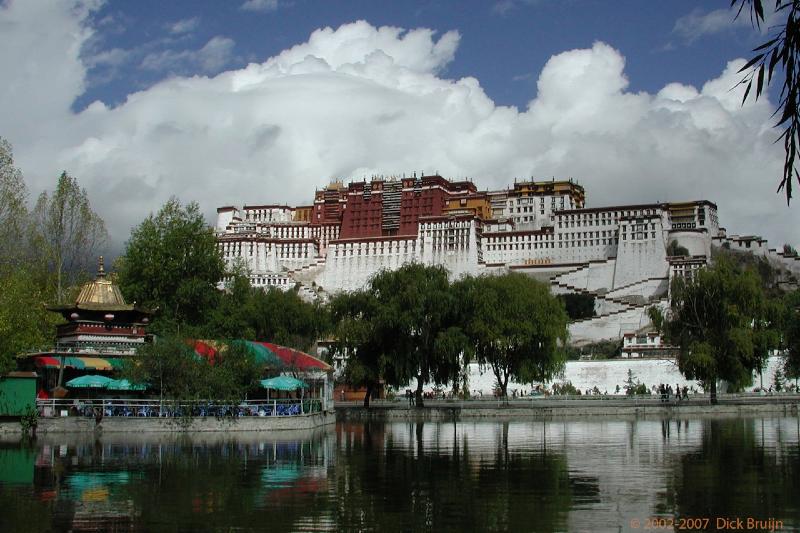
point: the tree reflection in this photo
(733, 474)
(386, 486)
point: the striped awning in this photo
(78, 363)
(267, 354)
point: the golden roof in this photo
(101, 292)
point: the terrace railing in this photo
(155, 408)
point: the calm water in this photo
(583, 475)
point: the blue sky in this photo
(262, 101)
(503, 44)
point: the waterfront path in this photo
(558, 406)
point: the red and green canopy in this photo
(268, 354)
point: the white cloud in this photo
(360, 100)
(184, 25)
(262, 6)
(211, 58)
(699, 23)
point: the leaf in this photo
(766, 44)
(760, 81)
(752, 62)
(773, 60)
(746, 92)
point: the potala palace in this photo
(541, 228)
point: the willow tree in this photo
(358, 336)
(791, 335)
(718, 319)
(417, 311)
(66, 234)
(515, 326)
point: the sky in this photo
(264, 101)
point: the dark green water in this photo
(577, 475)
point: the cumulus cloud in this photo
(359, 100)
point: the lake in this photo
(597, 474)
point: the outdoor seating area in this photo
(93, 408)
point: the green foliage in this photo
(514, 325)
(25, 323)
(721, 323)
(791, 334)
(359, 336)
(234, 374)
(66, 235)
(633, 387)
(172, 263)
(13, 212)
(29, 421)
(578, 305)
(675, 249)
(173, 370)
(563, 389)
(789, 251)
(417, 310)
(596, 350)
(656, 317)
(769, 274)
(782, 50)
(285, 318)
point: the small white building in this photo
(646, 345)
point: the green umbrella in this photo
(283, 383)
(89, 381)
(124, 384)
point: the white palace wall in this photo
(618, 253)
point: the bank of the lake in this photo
(208, 424)
(555, 407)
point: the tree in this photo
(416, 309)
(172, 262)
(714, 319)
(234, 374)
(358, 334)
(66, 234)
(171, 368)
(284, 318)
(13, 213)
(791, 335)
(578, 305)
(675, 249)
(782, 49)
(515, 326)
(25, 323)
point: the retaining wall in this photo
(80, 424)
(545, 410)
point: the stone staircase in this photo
(605, 305)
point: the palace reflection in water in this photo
(575, 475)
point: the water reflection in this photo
(577, 475)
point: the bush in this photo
(563, 389)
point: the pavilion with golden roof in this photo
(101, 329)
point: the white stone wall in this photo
(647, 289)
(606, 375)
(224, 218)
(640, 258)
(697, 243)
